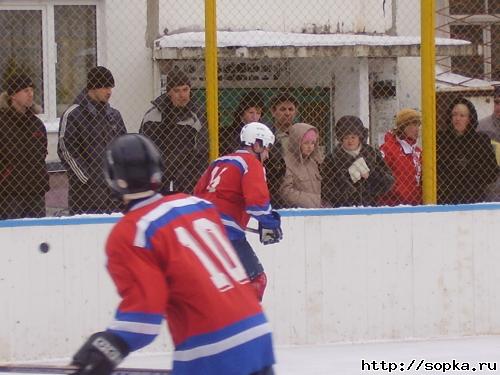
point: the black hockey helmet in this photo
(132, 166)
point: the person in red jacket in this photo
(403, 156)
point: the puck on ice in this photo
(44, 247)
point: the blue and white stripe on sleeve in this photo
(237, 161)
(136, 329)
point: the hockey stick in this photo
(252, 230)
(64, 370)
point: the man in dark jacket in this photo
(284, 107)
(85, 130)
(24, 179)
(179, 131)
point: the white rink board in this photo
(338, 276)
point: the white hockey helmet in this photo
(256, 131)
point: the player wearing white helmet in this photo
(258, 136)
(236, 185)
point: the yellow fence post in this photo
(428, 60)
(211, 76)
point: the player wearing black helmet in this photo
(170, 258)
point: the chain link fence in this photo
(468, 104)
(350, 70)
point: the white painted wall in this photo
(352, 88)
(484, 105)
(384, 274)
(129, 59)
(409, 86)
(382, 110)
(281, 15)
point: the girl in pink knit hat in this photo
(301, 186)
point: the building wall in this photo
(123, 50)
(130, 59)
(281, 15)
(384, 101)
(339, 275)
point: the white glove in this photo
(359, 169)
(362, 167)
(354, 173)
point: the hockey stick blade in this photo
(51, 369)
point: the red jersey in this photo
(236, 185)
(170, 258)
(405, 162)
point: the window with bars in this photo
(479, 22)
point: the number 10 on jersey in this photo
(214, 244)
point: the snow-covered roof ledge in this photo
(257, 44)
(449, 81)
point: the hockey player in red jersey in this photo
(169, 258)
(236, 185)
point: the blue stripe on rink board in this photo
(52, 221)
(348, 211)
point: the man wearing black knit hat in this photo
(24, 179)
(178, 129)
(85, 130)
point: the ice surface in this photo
(345, 359)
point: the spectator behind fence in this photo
(355, 174)
(301, 186)
(24, 179)
(283, 110)
(86, 128)
(491, 127)
(466, 162)
(403, 156)
(250, 109)
(179, 130)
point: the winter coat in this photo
(405, 162)
(301, 186)
(491, 127)
(282, 140)
(275, 172)
(24, 179)
(229, 139)
(181, 135)
(341, 191)
(465, 163)
(85, 130)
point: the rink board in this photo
(338, 276)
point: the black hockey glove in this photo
(269, 235)
(102, 352)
